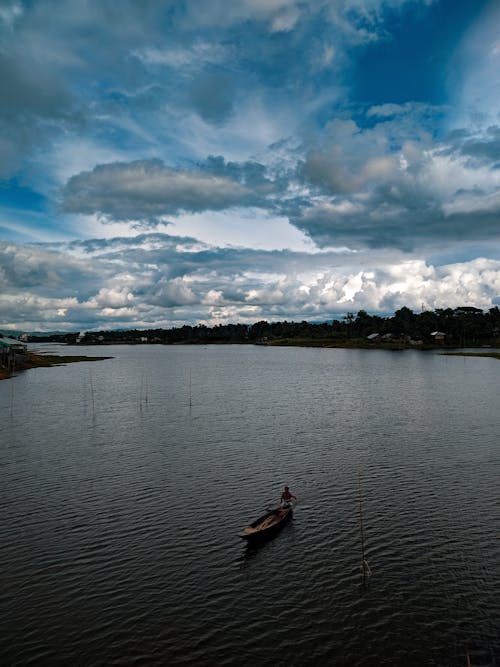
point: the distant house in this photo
(12, 344)
(388, 336)
(467, 310)
(373, 337)
(438, 335)
(10, 348)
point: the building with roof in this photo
(12, 344)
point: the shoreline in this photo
(394, 346)
(31, 360)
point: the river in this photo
(125, 483)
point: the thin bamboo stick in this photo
(364, 563)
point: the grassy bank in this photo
(363, 344)
(354, 344)
(494, 355)
(32, 360)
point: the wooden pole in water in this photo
(190, 393)
(364, 564)
(12, 397)
(92, 395)
(12, 373)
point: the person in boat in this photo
(286, 497)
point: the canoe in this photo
(267, 525)
(481, 657)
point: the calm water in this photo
(125, 483)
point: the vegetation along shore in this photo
(445, 329)
(27, 360)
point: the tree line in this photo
(465, 326)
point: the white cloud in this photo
(132, 131)
(213, 298)
(169, 293)
(10, 12)
(111, 298)
(156, 280)
(196, 55)
(285, 20)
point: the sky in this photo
(170, 162)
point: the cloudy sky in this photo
(165, 162)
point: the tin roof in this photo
(10, 342)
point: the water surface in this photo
(125, 484)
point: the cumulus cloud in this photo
(350, 158)
(171, 293)
(147, 189)
(392, 185)
(110, 298)
(140, 114)
(158, 280)
(386, 185)
(29, 267)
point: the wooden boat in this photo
(481, 657)
(267, 525)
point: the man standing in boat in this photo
(286, 497)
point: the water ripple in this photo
(120, 528)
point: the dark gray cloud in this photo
(35, 105)
(91, 66)
(52, 57)
(116, 106)
(486, 147)
(212, 95)
(359, 189)
(29, 89)
(251, 174)
(147, 189)
(380, 223)
(376, 187)
(36, 267)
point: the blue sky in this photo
(171, 162)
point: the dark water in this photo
(125, 483)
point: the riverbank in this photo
(31, 360)
(494, 355)
(362, 344)
(353, 344)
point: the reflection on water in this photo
(252, 548)
(126, 483)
